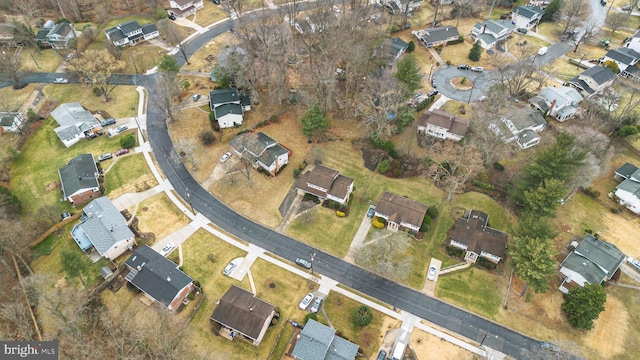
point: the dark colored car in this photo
(463, 67)
(382, 355)
(122, 152)
(217, 2)
(172, 17)
(433, 83)
(490, 51)
(432, 93)
(603, 2)
(371, 211)
(522, 30)
(109, 121)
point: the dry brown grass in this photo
(141, 57)
(427, 346)
(209, 14)
(122, 99)
(198, 62)
(158, 215)
(11, 100)
(45, 61)
(453, 107)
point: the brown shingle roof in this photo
(474, 232)
(341, 186)
(443, 119)
(243, 312)
(399, 208)
(322, 176)
(326, 178)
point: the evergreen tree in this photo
(475, 52)
(584, 304)
(314, 122)
(411, 47)
(551, 10)
(408, 73)
(168, 64)
(533, 261)
(543, 200)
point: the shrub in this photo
(427, 220)
(628, 130)
(361, 316)
(212, 116)
(61, 20)
(310, 316)
(485, 263)
(395, 164)
(395, 173)
(591, 192)
(310, 197)
(483, 185)
(433, 212)
(302, 165)
(296, 172)
(455, 252)
(424, 228)
(160, 13)
(378, 222)
(390, 148)
(475, 52)
(423, 105)
(128, 141)
(411, 47)
(196, 283)
(498, 166)
(274, 119)
(340, 213)
(615, 211)
(207, 137)
(384, 166)
(96, 91)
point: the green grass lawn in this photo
(473, 289)
(126, 170)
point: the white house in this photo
(11, 121)
(74, 123)
(57, 36)
(228, 106)
(628, 191)
(489, 33)
(527, 16)
(560, 103)
(625, 58)
(261, 150)
(521, 126)
(443, 125)
(634, 42)
(183, 8)
(131, 33)
(593, 80)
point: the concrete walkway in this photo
(358, 239)
(132, 199)
(438, 104)
(184, 22)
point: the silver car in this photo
(316, 305)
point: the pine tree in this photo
(551, 10)
(584, 304)
(533, 261)
(314, 122)
(408, 73)
(475, 52)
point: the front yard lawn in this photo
(121, 100)
(473, 289)
(158, 215)
(130, 173)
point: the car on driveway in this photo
(626, 8)
(108, 121)
(122, 152)
(477, 69)
(522, 30)
(304, 303)
(433, 83)
(371, 211)
(104, 157)
(167, 249)
(304, 263)
(64, 216)
(122, 129)
(432, 93)
(482, 98)
(229, 268)
(490, 52)
(196, 97)
(316, 305)
(382, 355)
(61, 81)
(431, 274)
(463, 67)
(225, 157)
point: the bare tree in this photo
(515, 77)
(572, 13)
(599, 154)
(615, 20)
(589, 29)
(249, 142)
(168, 88)
(307, 211)
(386, 255)
(381, 100)
(28, 9)
(460, 161)
(173, 36)
(187, 149)
(11, 69)
(98, 66)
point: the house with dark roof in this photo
(633, 42)
(491, 32)
(131, 33)
(626, 58)
(57, 36)
(627, 171)
(472, 234)
(239, 314)
(326, 183)
(261, 150)
(74, 123)
(527, 16)
(628, 191)
(103, 228)
(561, 103)
(11, 121)
(593, 261)
(393, 49)
(442, 124)
(593, 81)
(320, 342)
(158, 277)
(400, 212)
(228, 106)
(521, 126)
(184, 8)
(436, 36)
(79, 180)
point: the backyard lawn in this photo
(121, 100)
(12, 100)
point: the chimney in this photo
(250, 308)
(168, 278)
(553, 104)
(139, 267)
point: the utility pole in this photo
(187, 196)
(311, 257)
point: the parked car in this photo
(64, 216)
(229, 268)
(108, 121)
(566, 36)
(482, 98)
(225, 157)
(196, 97)
(217, 2)
(382, 355)
(543, 50)
(304, 303)
(603, 2)
(433, 83)
(501, 48)
(316, 305)
(122, 152)
(432, 273)
(490, 51)
(522, 30)
(432, 93)
(304, 263)
(104, 157)
(371, 211)
(172, 17)
(61, 81)
(463, 67)
(626, 8)
(122, 128)
(477, 69)
(167, 249)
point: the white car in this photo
(229, 268)
(61, 81)
(477, 68)
(543, 50)
(304, 303)
(316, 305)
(432, 273)
(225, 157)
(167, 249)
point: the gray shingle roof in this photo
(624, 55)
(104, 225)
(525, 118)
(226, 109)
(73, 119)
(438, 34)
(319, 342)
(599, 74)
(80, 173)
(115, 34)
(129, 27)
(158, 276)
(594, 259)
(61, 29)
(223, 96)
(528, 11)
(630, 186)
(626, 170)
(149, 28)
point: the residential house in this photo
(472, 234)
(437, 36)
(521, 125)
(626, 58)
(527, 16)
(628, 191)
(229, 106)
(79, 180)
(184, 8)
(261, 150)
(158, 278)
(11, 121)
(320, 342)
(560, 103)
(400, 212)
(491, 32)
(7, 38)
(542, 4)
(131, 33)
(393, 49)
(593, 81)
(633, 42)
(240, 313)
(59, 36)
(103, 228)
(593, 261)
(443, 125)
(74, 123)
(326, 183)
